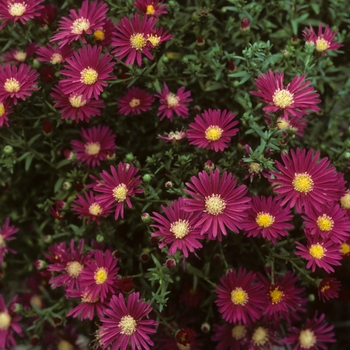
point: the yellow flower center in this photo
(80, 25)
(254, 168)
(317, 251)
(172, 100)
(150, 10)
(120, 192)
(64, 345)
(99, 34)
(213, 133)
(183, 347)
(264, 220)
(324, 288)
(345, 248)
(282, 98)
(2, 241)
(154, 39)
(95, 209)
(134, 102)
(282, 123)
(17, 9)
(276, 295)
(322, 44)
(238, 332)
(12, 85)
(325, 223)
(127, 325)
(239, 296)
(345, 201)
(76, 101)
(138, 41)
(5, 320)
(307, 339)
(20, 56)
(260, 336)
(86, 298)
(92, 148)
(214, 204)
(302, 183)
(88, 76)
(180, 228)
(2, 109)
(100, 275)
(74, 268)
(56, 58)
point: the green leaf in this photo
(28, 162)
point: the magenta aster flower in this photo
(173, 103)
(304, 182)
(9, 324)
(19, 10)
(219, 200)
(319, 252)
(151, 7)
(91, 16)
(295, 125)
(17, 82)
(266, 217)
(297, 98)
(124, 324)
(5, 110)
(19, 56)
(118, 187)
(328, 288)
(239, 297)
(263, 336)
(313, 335)
(6, 234)
(177, 228)
(131, 38)
(212, 130)
(99, 142)
(158, 36)
(135, 101)
(54, 55)
(104, 35)
(86, 72)
(230, 337)
(98, 277)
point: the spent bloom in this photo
(230, 337)
(19, 56)
(54, 55)
(151, 7)
(328, 288)
(7, 232)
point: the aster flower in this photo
(319, 252)
(6, 234)
(98, 277)
(47, 15)
(104, 35)
(55, 210)
(219, 200)
(54, 55)
(86, 72)
(5, 110)
(331, 222)
(229, 337)
(91, 16)
(19, 10)
(313, 335)
(157, 37)
(296, 99)
(151, 7)
(263, 336)
(212, 130)
(328, 288)
(345, 249)
(17, 82)
(239, 297)
(118, 187)
(9, 324)
(135, 101)
(19, 56)
(99, 142)
(177, 228)
(173, 136)
(266, 217)
(173, 103)
(294, 125)
(304, 182)
(124, 323)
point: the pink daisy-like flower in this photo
(89, 207)
(74, 106)
(54, 55)
(118, 187)
(104, 35)
(6, 234)
(212, 130)
(99, 142)
(91, 16)
(98, 277)
(135, 101)
(331, 222)
(328, 288)
(313, 335)
(304, 182)
(297, 98)
(19, 10)
(220, 202)
(230, 337)
(157, 37)
(173, 103)
(9, 324)
(263, 336)
(86, 72)
(322, 41)
(124, 324)
(151, 7)
(19, 56)
(239, 298)
(295, 125)
(5, 110)
(177, 228)
(17, 82)
(266, 217)
(173, 136)
(319, 252)
(55, 210)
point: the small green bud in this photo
(8, 149)
(36, 63)
(66, 185)
(311, 297)
(147, 178)
(165, 59)
(100, 238)
(129, 157)
(146, 218)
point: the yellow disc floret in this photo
(325, 223)
(317, 251)
(214, 204)
(2, 109)
(17, 9)
(154, 39)
(12, 85)
(180, 228)
(76, 101)
(99, 34)
(64, 345)
(20, 56)
(74, 268)
(80, 25)
(134, 102)
(88, 76)
(138, 41)
(260, 336)
(172, 100)
(92, 148)
(239, 296)
(264, 219)
(307, 339)
(213, 133)
(127, 325)
(56, 58)
(5, 320)
(101, 275)
(120, 192)
(150, 10)
(345, 201)
(302, 183)
(322, 44)
(238, 332)
(282, 98)
(276, 295)
(95, 209)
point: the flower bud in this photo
(40, 264)
(169, 184)
(170, 263)
(245, 25)
(66, 185)
(147, 178)
(209, 165)
(8, 149)
(205, 327)
(144, 257)
(146, 218)
(100, 238)
(129, 157)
